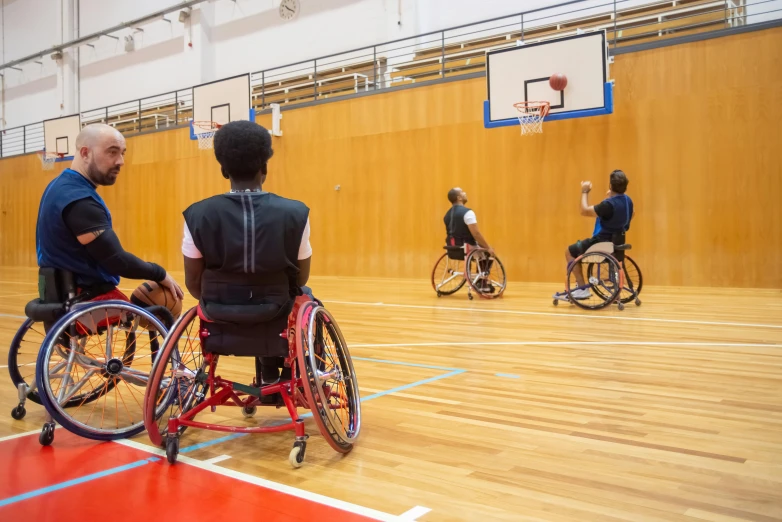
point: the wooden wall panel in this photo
(696, 127)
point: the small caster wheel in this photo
(469, 296)
(637, 302)
(249, 411)
(621, 306)
(19, 412)
(172, 449)
(296, 456)
(556, 302)
(47, 434)
(439, 294)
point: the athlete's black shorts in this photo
(579, 248)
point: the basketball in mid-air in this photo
(558, 81)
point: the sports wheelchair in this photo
(611, 277)
(483, 272)
(85, 354)
(318, 374)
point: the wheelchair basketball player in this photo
(613, 215)
(461, 227)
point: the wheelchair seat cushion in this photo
(455, 252)
(38, 310)
(241, 314)
(252, 330)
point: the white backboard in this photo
(59, 134)
(522, 74)
(222, 101)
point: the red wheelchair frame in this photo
(303, 389)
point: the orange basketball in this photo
(149, 293)
(558, 81)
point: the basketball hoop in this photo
(48, 159)
(205, 131)
(531, 116)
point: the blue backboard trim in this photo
(194, 137)
(608, 109)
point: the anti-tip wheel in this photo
(469, 296)
(637, 302)
(249, 411)
(18, 413)
(47, 435)
(172, 449)
(296, 456)
(556, 302)
(621, 306)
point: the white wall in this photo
(763, 10)
(29, 94)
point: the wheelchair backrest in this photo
(55, 285)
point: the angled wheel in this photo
(22, 356)
(178, 381)
(328, 376)
(601, 287)
(447, 275)
(106, 349)
(485, 274)
(634, 281)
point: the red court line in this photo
(184, 492)
(27, 466)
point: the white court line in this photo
(414, 513)
(282, 488)
(19, 435)
(215, 460)
(17, 295)
(570, 343)
(552, 314)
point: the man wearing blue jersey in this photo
(74, 230)
(613, 219)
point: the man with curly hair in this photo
(247, 250)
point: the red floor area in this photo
(26, 465)
(146, 492)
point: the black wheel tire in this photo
(172, 449)
(47, 435)
(19, 412)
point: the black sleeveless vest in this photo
(457, 232)
(250, 243)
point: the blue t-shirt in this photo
(56, 245)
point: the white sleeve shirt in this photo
(305, 249)
(470, 219)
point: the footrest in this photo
(249, 390)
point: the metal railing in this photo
(426, 57)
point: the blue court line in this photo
(75, 482)
(211, 442)
(508, 375)
(412, 385)
(368, 398)
(384, 361)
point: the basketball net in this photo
(205, 132)
(531, 116)
(48, 159)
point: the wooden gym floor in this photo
(473, 410)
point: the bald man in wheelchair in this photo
(247, 255)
